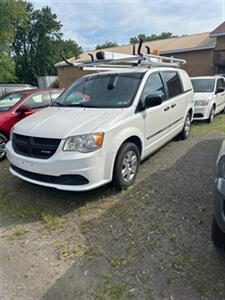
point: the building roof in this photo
(194, 42)
(219, 31)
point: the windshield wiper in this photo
(80, 105)
(58, 103)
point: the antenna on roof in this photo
(92, 56)
(139, 47)
(148, 49)
(66, 61)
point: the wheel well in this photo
(4, 133)
(191, 112)
(135, 140)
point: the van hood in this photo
(61, 122)
(203, 96)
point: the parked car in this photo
(101, 127)
(18, 105)
(209, 96)
(218, 226)
(13, 87)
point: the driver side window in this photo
(154, 85)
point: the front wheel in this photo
(218, 236)
(187, 127)
(3, 141)
(212, 115)
(126, 166)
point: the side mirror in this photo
(23, 109)
(153, 100)
(220, 90)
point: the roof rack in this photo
(107, 61)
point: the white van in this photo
(209, 96)
(101, 127)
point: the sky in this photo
(93, 22)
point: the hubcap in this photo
(187, 126)
(2, 147)
(129, 166)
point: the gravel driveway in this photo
(151, 241)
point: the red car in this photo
(18, 105)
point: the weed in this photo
(52, 222)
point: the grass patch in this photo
(71, 251)
(117, 291)
(23, 212)
(218, 125)
(20, 232)
(52, 222)
(198, 287)
(118, 261)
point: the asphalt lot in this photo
(151, 241)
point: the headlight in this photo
(201, 102)
(221, 167)
(84, 143)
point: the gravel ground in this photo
(151, 241)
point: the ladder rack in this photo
(145, 61)
(107, 61)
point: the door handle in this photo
(167, 108)
(173, 105)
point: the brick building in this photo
(204, 53)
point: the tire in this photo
(212, 114)
(3, 141)
(126, 166)
(218, 236)
(187, 127)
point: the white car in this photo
(209, 97)
(101, 127)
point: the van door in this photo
(156, 119)
(220, 97)
(177, 99)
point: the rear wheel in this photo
(126, 166)
(3, 141)
(218, 236)
(212, 114)
(187, 127)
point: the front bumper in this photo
(219, 203)
(95, 167)
(201, 112)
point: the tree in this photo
(106, 45)
(152, 37)
(38, 44)
(11, 13)
(69, 48)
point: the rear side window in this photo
(173, 83)
(154, 86)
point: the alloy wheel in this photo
(129, 166)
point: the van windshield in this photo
(8, 101)
(203, 85)
(102, 91)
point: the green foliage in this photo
(152, 37)
(106, 45)
(69, 48)
(11, 13)
(38, 44)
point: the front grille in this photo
(63, 179)
(35, 147)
